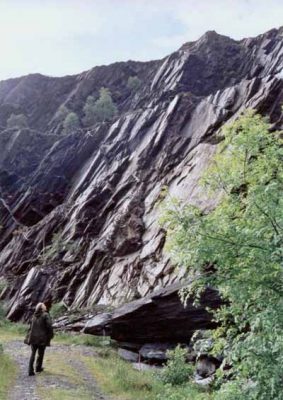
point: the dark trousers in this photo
(40, 354)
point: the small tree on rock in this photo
(17, 121)
(104, 109)
(89, 113)
(71, 123)
(134, 83)
(61, 113)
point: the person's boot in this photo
(31, 373)
(39, 361)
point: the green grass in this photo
(59, 365)
(11, 331)
(8, 372)
(8, 369)
(63, 394)
(115, 377)
(184, 392)
(81, 339)
(119, 379)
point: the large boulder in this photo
(155, 352)
(159, 317)
(128, 355)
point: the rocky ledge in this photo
(159, 317)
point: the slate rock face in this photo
(78, 213)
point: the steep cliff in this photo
(78, 212)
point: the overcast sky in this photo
(69, 36)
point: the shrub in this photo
(57, 310)
(2, 314)
(3, 285)
(71, 123)
(177, 371)
(17, 121)
(89, 113)
(52, 250)
(133, 83)
(61, 113)
(104, 109)
(56, 248)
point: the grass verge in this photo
(80, 339)
(62, 394)
(60, 369)
(59, 366)
(8, 372)
(12, 331)
(118, 379)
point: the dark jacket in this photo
(41, 331)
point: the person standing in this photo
(39, 336)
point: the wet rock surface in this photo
(78, 215)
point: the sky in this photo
(70, 36)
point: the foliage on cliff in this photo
(17, 121)
(71, 123)
(238, 249)
(134, 83)
(89, 115)
(61, 113)
(104, 108)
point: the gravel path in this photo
(25, 387)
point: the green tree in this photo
(133, 83)
(71, 123)
(177, 371)
(61, 113)
(89, 111)
(242, 237)
(17, 121)
(104, 109)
